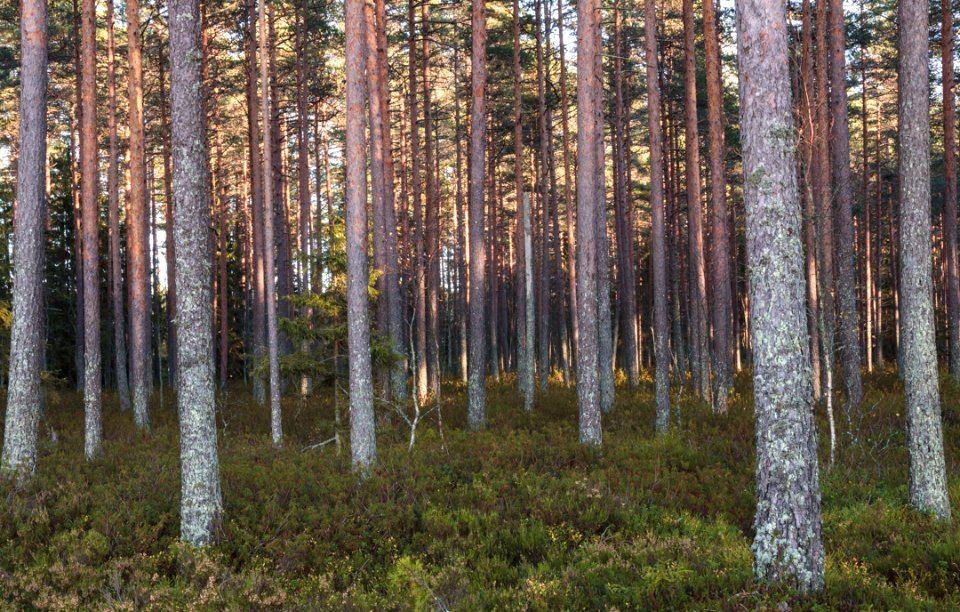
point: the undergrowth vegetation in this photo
(518, 516)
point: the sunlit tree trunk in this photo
(276, 426)
(809, 166)
(419, 281)
(477, 413)
(788, 546)
(589, 208)
(137, 221)
(918, 360)
(93, 428)
(26, 330)
(200, 506)
(362, 433)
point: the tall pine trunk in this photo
(363, 446)
(788, 546)
(589, 208)
(201, 506)
(137, 222)
(658, 241)
(270, 295)
(842, 197)
(26, 330)
(476, 412)
(918, 349)
(89, 174)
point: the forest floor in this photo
(519, 516)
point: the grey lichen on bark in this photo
(788, 545)
(918, 359)
(201, 505)
(26, 348)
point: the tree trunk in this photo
(26, 329)
(846, 261)
(788, 545)
(950, 187)
(589, 199)
(658, 241)
(169, 243)
(419, 284)
(201, 506)
(113, 188)
(807, 195)
(722, 300)
(276, 426)
(432, 215)
(824, 199)
(699, 334)
(476, 414)
(363, 443)
(93, 427)
(137, 222)
(567, 183)
(928, 483)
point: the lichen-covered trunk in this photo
(658, 240)
(200, 504)
(843, 201)
(788, 546)
(524, 266)
(363, 442)
(477, 412)
(93, 427)
(589, 130)
(918, 350)
(26, 329)
(137, 222)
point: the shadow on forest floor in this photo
(517, 516)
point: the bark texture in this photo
(92, 385)
(658, 246)
(589, 200)
(201, 506)
(918, 357)
(363, 443)
(138, 276)
(477, 411)
(26, 330)
(788, 544)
